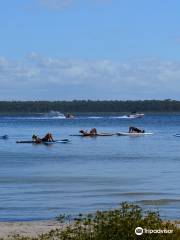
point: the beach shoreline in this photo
(29, 228)
(35, 228)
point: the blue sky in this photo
(95, 49)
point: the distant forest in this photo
(82, 106)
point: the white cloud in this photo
(103, 79)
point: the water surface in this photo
(40, 182)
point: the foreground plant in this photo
(118, 224)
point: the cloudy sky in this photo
(89, 49)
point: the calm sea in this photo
(41, 182)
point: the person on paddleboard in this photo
(93, 132)
(36, 139)
(47, 138)
(135, 130)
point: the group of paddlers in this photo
(47, 138)
(93, 132)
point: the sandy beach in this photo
(30, 229)
(34, 228)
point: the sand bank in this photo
(34, 228)
(31, 229)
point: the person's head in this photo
(34, 137)
(143, 131)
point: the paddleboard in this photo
(97, 135)
(56, 141)
(133, 134)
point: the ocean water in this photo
(40, 182)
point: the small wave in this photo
(94, 117)
(54, 114)
(159, 201)
(109, 117)
(61, 116)
(57, 117)
(32, 118)
(123, 117)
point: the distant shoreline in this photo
(89, 106)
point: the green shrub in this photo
(118, 224)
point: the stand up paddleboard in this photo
(133, 134)
(94, 135)
(56, 141)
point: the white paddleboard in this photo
(133, 134)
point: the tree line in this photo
(84, 106)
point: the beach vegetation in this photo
(117, 224)
(89, 106)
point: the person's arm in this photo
(50, 138)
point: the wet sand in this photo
(30, 229)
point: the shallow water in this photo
(40, 182)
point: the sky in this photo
(89, 49)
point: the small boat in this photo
(70, 116)
(135, 115)
(133, 134)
